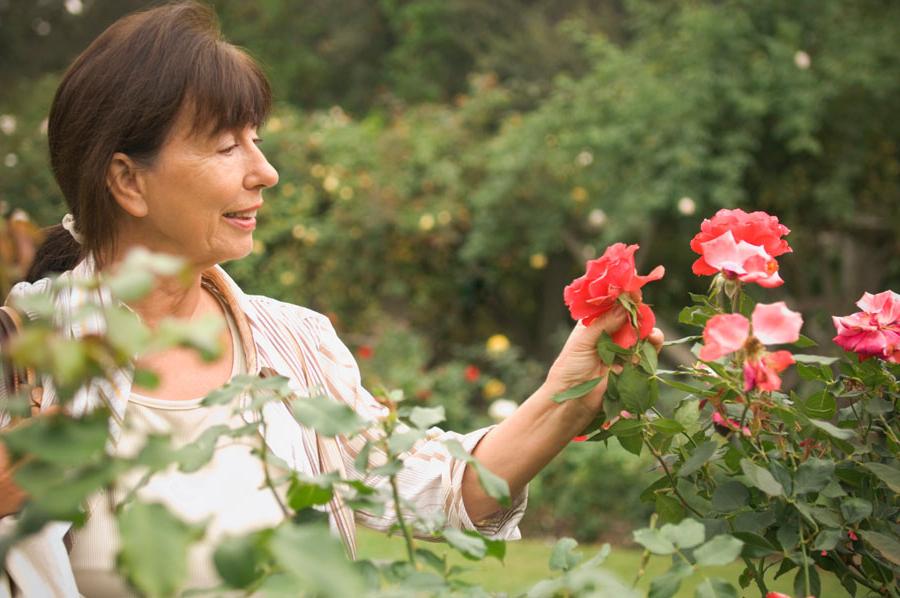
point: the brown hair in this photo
(123, 94)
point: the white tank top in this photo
(229, 491)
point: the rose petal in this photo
(724, 334)
(774, 323)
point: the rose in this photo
(770, 324)
(741, 260)
(607, 278)
(756, 228)
(874, 331)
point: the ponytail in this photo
(59, 252)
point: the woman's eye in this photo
(228, 150)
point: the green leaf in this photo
(687, 534)
(628, 433)
(304, 493)
(578, 391)
(425, 417)
(667, 584)
(721, 550)
(713, 587)
(61, 439)
(146, 378)
(607, 349)
(821, 359)
(239, 561)
(495, 548)
(827, 539)
(154, 547)
(669, 509)
(888, 546)
(887, 474)
(634, 389)
(699, 457)
(821, 405)
(649, 358)
(685, 339)
(813, 475)
(804, 342)
(815, 585)
(761, 478)
(195, 455)
(755, 546)
(730, 496)
(563, 558)
(666, 427)
(402, 440)
(495, 486)
(654, 541)
(469, 544)
(855, 509)
(126, 332)
(315, 561)
(327, 417)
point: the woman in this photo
(154, 142)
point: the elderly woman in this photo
(154, 141)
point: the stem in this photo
(265, 464)
(665, 467)
(805, 563)
(645, 557)
(407, 536)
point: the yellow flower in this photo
(538, 261)
(579, 194)
(497, 343)
(426, 222)
(493, 388)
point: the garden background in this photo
(447, 166)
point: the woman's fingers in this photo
(657, 338)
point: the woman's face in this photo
(202, 194)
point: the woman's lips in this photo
(242, 222)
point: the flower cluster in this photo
(609, 279)
(874, 331)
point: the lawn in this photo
(526, 563)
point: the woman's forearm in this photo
(520, 446)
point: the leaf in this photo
(669, 509)
(667, 584)
(827, 539)
(761, 478)
(628, 433)
(713, 587)
(563, 558)
(855, 509)
(821, 405)
(832, 430)
(815, 585)
(469, 544)
(495, 548)
(687, 534)
(315, 561)
(685, 339)
(634, 389)
(887, 474)
(730, 496)
(303, 494)
(666, 427)
(804, 342)
(820, 359)
(195, 455)
(154, 547)
(239, 560)
(721, 550)
(654, 541)
(402, 440)
(495, 486)
(813, 475)
(425, 417)
(886, 545)
(755, 546)
(577, 391)
(701, 455)
(327, 417)
(126, 332)
(61, 439)
(649, 358)
(607, 349)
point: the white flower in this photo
(687, 206)
(802, 60)
(7, 124)
(501, 409)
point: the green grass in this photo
(526, 563)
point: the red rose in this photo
(756, 228)
(874, 331)
(598, 290)
(365, 352)
(472, 373)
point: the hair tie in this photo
(68, 223)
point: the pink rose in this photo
(741, 260)
(874, 331)
(597, 291)
(756, 228)
(770, 323)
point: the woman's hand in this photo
(578, 361)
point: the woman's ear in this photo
(123, 178)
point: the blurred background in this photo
(447, 166)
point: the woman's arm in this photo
(519, 447)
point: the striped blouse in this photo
(301, 345)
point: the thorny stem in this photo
(805, 563)
(665, 468)
(265, 464)
(407, 536)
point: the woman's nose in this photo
(261, 173)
